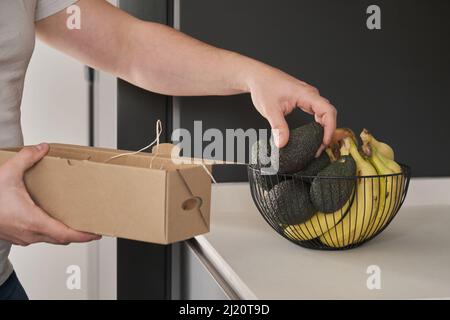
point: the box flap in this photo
(196, 189)
(105, 156)
(188, 203)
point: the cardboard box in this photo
(125, 197)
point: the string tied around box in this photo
(158, 130)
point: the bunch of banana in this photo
(373, 201)
(317, 225)
(390, 184)
(355, 225)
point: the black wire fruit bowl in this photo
(366, 206)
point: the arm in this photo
(161, 59)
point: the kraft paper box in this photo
(122, 198)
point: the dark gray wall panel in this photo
(143, 269)
(394, 81)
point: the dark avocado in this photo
(329, 194)
(315, 166)
(303, 144)
(289, 202)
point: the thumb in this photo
(280, 129)
(28, 157)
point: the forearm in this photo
(150, 55)
(163, 60)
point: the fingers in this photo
(40, 227)
(320, 150)
(329, 124)
(324, 113)
(53, 231)
(27, 157)
(280, 129)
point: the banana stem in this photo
(345, 149)
(383, 148)
(351, 146)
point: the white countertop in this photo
(413, 253)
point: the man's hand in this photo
(276, 94)
(161, 59)
(21, 221)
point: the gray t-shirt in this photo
(17, 36)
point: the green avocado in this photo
(330, 194)
(261, 161)
(303, 144)
(315, 166)
(289, 202)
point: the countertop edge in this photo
(224, 269)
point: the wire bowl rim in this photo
(405, 171)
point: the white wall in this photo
(54, 106)
(54, 109)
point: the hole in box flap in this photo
(192, 203)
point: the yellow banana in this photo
(387, 196)
(397, 184)
(391, 164)
(384, 149)
(317, 225)
(354, 226)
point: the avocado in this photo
(261, 161)
(330, 194)
(303, 144)
(315, 166)
(289, 202)
(268, 181)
